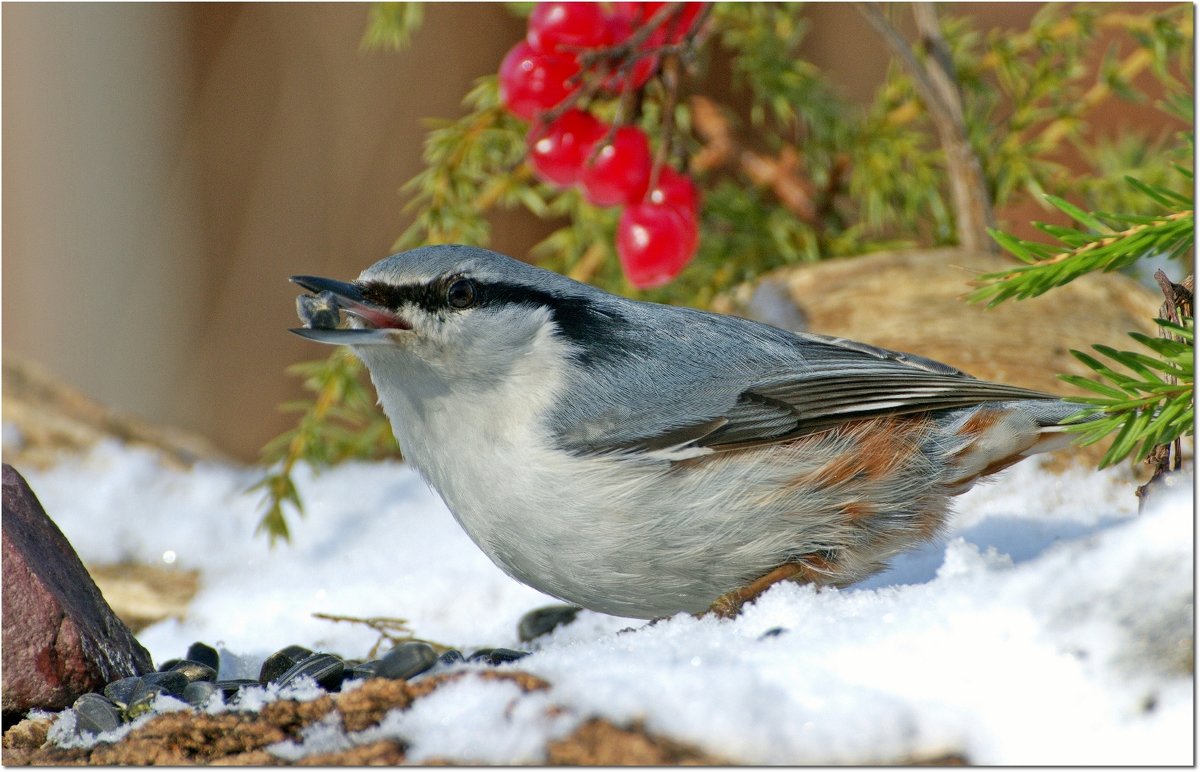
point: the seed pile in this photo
(194, 678)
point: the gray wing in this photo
(787, 409)
(841, 381)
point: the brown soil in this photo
(240, 739)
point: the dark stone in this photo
(95, 713)
(326, 669)
(542, 620)
(274, 666)
(773, 632)
(406, 661)
(169, 664)
(205, 655)
(497, 656)
(194, 671)
(60, 639)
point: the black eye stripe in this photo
(451, 293)
(427, 297)
(597, 333)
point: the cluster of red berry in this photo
(659, 227)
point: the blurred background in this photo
(167, 166)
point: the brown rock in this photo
(142, 595)
(60, 638)
(52, 418)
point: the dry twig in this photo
(938, 88)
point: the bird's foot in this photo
(730, 604)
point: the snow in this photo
(1053, 625)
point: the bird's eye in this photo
(461, 293)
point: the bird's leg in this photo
(730, 604)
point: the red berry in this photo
(621, 171)
(674, 189)
(566, 27)
(631, 11)
(531, 82)
(557, 151)
(676, 26)
(620, 27)
(654, 243)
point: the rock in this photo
(142, 595)
(60, 638)
(51, 418)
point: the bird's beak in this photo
(320, 314)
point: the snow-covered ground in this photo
(1054, 625)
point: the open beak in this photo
(320, 314)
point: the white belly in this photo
(627, 537)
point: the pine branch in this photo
(338, 424)
(392, 25)
(1144, 400)
(1170, 235)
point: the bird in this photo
(641, 459)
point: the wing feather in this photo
(783, 410)
(736, 384)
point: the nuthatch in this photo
(641, 459)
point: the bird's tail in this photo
(993, 436)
